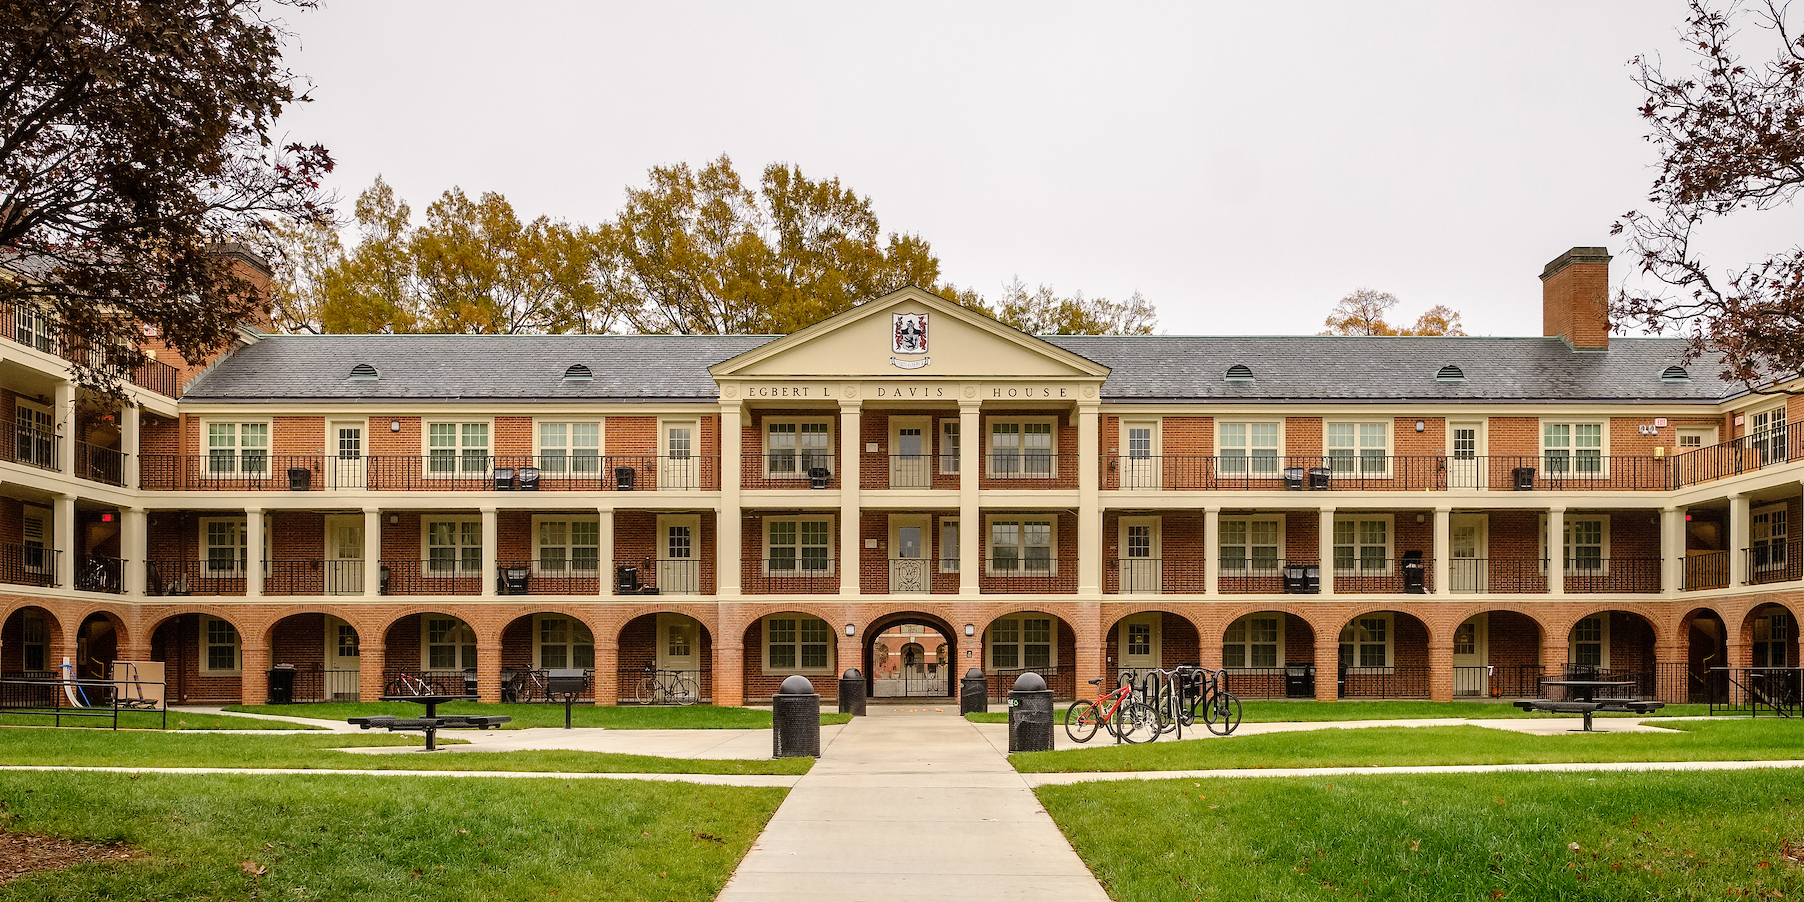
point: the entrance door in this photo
(344, 555)
(1140, 465)
(1772, 638)
(677, 466)
(1464, 469)
(909, 460)
(679, 644)
(679, 563)
(909, 566)
(35, 442)
(343, 658)
(348, 469)
(1139, 638)
(1470, 676)
(1468, 566)
(1141, 573)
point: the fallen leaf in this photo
(1415, 845)
(252, 868)
(1573, 846)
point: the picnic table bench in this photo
(432, 722)
(1587, 702)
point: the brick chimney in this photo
(1575, 298)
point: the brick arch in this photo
(1427, 620)
(618, 624)
(1461, 615)
(361, 624)
(236, 616)
(1117, 614)
(388, 625)
(573, 612)
(54, 632)
(1654, 620)
(1218, 619)
(943, 624)
(118, 621)
(1681, 623)
(1744, 633)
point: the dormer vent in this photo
(1240, 372)
(363, 372)
(577, 372)
(1450, 373)
(1675, 374)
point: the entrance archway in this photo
(889, 670)
(1705, 639)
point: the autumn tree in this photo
(1729, 125)
(1044, 312)
(1363, 313)
(1437, 320)
(135, 141)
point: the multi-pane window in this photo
(1361, 546)
(1767, 436)
(1588, 638)
(1584, 545)
(1465, 638)
(1021, 547)
(37, 544)
(1366, 642)
(795, 642)
(565, 643)
(1249, 449)
(33, 643)
(34, 435)
(33, 327)
(450, 643)
(457, 448)
(1359, 449)
(1021, 448)
(347, 641)
(1573, 449)
(569, 546)
(798, 545)
(238, 449)
(1768, 530)
(453, 547)
(1772, 637)
(221, 642)
(223, 547)
(949, 546)
(573, 448)
(793, 447)
(949, 447)
(1139, 639)
(1253, 641)
(1250, 544)
(1021, 643)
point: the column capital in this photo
(487, 509)
(372, 510)
(970, 403)
(846, 404)
(1443, 508)
(1556, 508)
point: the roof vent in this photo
(1674, 374)
(1240, 372)
(576, 372)
(363, 372)
(1450, 373)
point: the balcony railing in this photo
(549, 576)
(1709, 570)
(671, 576)
(1586, 576)
(1508, 576)
(313, 577)
(1257, 577)
(34, 447)
(28, 565)
(1380, 575)
(257, 471)
(1745, 454)
(922, 471)
(1773, 563)
(1029, 469)
(434, 576)
(911, 576)
(790, 470)
(1028, 576)
(36, 328)
(195, 577)
(807, 576)
(1155, 576)
(1395, 472)
(1497, 680)
(100, 464)
(98, 573)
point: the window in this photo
(222, 547)
(949, 447)
(1590, 642)
(1573, 449)
(1767, 528)
(1366, 642)
(1359, 449)
(1252, 545)
(1022, 643)
(1021, 547)
(347, 641)
(33, 643)
(1021, 449)
(798, 547)
(948, 546)
(1767, 436)
(221, 646)
(1465, 638)
(1254, 641)
(1586, 546)
(1139, 639)
(1362, 546)
(573, 448)
(238, 449)
(1772, 637)
(34, 328)
(34, 435)
(564, 642)
(36, 541)
(793, 447)
(453, 548)
(797, 643)
(1249, 449)
(457, 448)
(450, 643)
(566, 547)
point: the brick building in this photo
(1407, 517)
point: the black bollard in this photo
(1030, 715)
(973, 692)
(851, 693)
(796, 720)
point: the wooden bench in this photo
(430, 725)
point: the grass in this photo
(88, 748)
(1480, 837)
(315, 837)
(147, 720)
(1267, 711)
(623, 717)
(1741, 740)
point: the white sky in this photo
(1242, 168)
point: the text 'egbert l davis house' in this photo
(1399, 517)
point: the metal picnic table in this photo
(1587, 702)
(432, 722)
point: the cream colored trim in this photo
(1603, 467)
(831, 644)
(1246, 646)
(1390, 541)
(989, 532)
(204, 640)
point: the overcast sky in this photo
(1243, 168)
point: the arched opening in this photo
(202, 655)
(1613, 646)
(28, 642)
(1023, 641)
(1384, 654)
(1497, 654)
(438, 648)
(663, 657)
(1149, 640)
(1772, 636)
(789, 643)
(324, 653)
(96, 647)
(544, 641)
(1269, 654)
(1705, 639)
(910, 654)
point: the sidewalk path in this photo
(911, 805)
(1562, 767)
(778, 780)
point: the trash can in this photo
(1030, 715)
(513, 580)
(1318, 478)
(623, 479)
(1299, 681)
(1302, 580)
(300, 479)
(1293, 479)
(795, 720)
(974, 693)
(819, 477)
(281, 684)
(851, 693)
(529, 479)
(504, 479)
(1415, 574)
(1525, 478)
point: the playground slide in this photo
(76, 697)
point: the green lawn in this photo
(1714, 740)
(149, 720)
(623, 717)
(1267, 711)
(89, 748)
(338, 838)
(1479, 837)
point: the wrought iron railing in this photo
(99, 573)
(911, 576)
(1004, 575)
(1385, 472)
(1773, 563)
(254, 470)
(1497, 681)
(1739, 455)
(28, 565)
(1410, 575)
(670, 576)
(325, 686)
(1403, 681)
(433, 576)
(790, 470)
(1622, 575)
(34, 327)
(640, 686)
(34, 447)
(1709, 570)
(1753, 690)
(100, 464)
(189, 577)
(806, 576)
(1030, 469)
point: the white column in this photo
(1089, 502)
(253, 552)
(970, 511)
(851, 449)
(131, 420)
(1556, 551)
(372, 552)
(606, 539)
(1443, 550)
(132, 545)
(1325, 548)
(727, 547)
(63, 540)
(1672, 550)
(1738, 539)
(64, 415)
(1211, 550)
(491, 546)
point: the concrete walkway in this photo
(1563, 767)
(912, 805)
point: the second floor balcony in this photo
(1552, 472)
(257, 471)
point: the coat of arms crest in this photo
(910, 336)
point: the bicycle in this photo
(528, 685)
(409, 684)
(665, 687)
(1220, 708)
(1127, 718)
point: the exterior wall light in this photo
(851, 630)
(970, 629)
(394, 425)
(1421, 426)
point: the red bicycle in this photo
(1124, 715)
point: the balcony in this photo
(790, 470)
(436, 576)
(671, 576)
(1381, 576)
(1154, 576)
(1029, 470)
(1746, 454)
(1508, 576)
(1028, 576)
(1384, 473)
(173, 576)
(1772, 563)
(99, 464)
(28, 565)
(98, 573)
(1613, 575)
(910, 576)
(34, 328)
(313, 577)
(256, 471)
(789, 576)
(1706, 570)
(922, 471)
(34, 448)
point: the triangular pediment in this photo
(862, 343)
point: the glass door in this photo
(908, 571)
(348, 470)
(1468, 565)
(1462, 461)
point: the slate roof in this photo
(529, 368)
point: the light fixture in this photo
(1421, 518)
(394, 519)
(1420, 425)
(970, 629)
(851, 630)
(394, 425)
